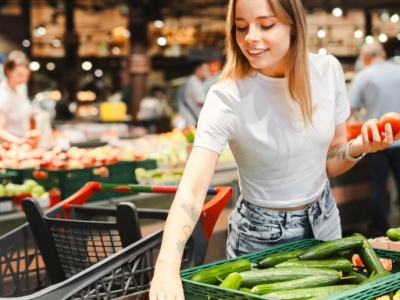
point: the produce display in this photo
(316, 272)
(30, 188)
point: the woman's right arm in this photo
(182, 218)
(6, 136)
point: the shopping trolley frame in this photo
(123, 273)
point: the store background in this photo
(91, 52)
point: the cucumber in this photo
(244, 289)
(369, 258)
(393, 234)
(262, 276)
(354, 277)
(273, 259)
(213, 274)
(339, 264)
(305, 293)
(329, 248)
(232, 281)
(376, 276)
(306, 282)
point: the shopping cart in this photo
(121, 274)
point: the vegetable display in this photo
(318, 272)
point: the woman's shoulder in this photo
(316, 58)
(323, 63)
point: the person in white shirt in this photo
(283, 112)
(191, 94)
(16, 111)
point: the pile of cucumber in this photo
(318, 272)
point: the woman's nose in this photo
(252, 34)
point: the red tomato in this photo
(386, 262)
(393, 119)
(378, 125)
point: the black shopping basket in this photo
(122, 274)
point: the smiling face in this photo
(263, 39)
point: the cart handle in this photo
(209, 213)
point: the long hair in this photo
(289, 12)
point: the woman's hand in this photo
(32, 138)
(166, 284)
(373, 138)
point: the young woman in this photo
(15, 108)
(283, 111)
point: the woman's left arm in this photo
(343, 155)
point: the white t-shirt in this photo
(190, 96)
(280, 162)
(17, 108)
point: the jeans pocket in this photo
(325, 219)
(248, 232)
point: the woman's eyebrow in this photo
(258, 18)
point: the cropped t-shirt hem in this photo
(283, 203)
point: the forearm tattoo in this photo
(193, 214)
(180, 245)
(337, 152)
(187, 229)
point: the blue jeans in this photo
(254, 228)
(379, 164)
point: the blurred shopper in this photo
(191, 94)
(15, 108)
(154, 105)
(377, 88)
(283, 112)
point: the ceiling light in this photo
(358, 33)
(383, 38)
(394, 18)
(162, 41)
(322, 51)
(50, 66)
(26, 43)
(369, 39)
(385, 16)
(34, 66)
(87, 65)
(337, 12)
(98, 73)
(159, 23)
(321, 33)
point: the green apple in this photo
(11, 189)
(37, 191)
(30, 183)
(2, 190)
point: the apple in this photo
(37, 191)
(11, 189)
(30, 184)
(2, 190)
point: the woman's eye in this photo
(267, 27)
(241, 29)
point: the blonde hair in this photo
(15, 58)
(289, 12)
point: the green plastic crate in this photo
(199, 291)
(120, 172)
(68, 181)
(9, 176)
